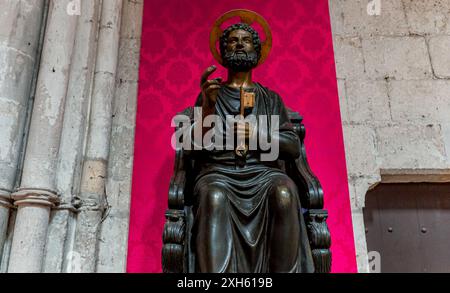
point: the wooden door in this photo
(409, 225)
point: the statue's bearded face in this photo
(240, 54)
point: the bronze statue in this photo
(234, 211)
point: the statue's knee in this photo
(283, 198)
(215, 198)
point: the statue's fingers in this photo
(210, 82)
(242, 131)
(207, 73)
(212, 88)
(239, 129)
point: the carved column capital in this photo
(35, 196)
(5, 198)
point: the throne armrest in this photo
(174, 235)
(311, 198)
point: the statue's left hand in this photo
(245, 130)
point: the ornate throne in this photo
(177, 256)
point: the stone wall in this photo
(393, 72)
(68, 93)
(113, 236)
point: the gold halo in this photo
(248, 17)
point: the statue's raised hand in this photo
(210, 88)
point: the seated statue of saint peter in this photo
(247, 213)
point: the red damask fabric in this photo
(300, 67)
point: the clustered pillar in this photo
(92, 188)
(37, 193)
(58, 69)
(20, 29)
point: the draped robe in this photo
(243, 222)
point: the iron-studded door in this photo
(409, 225)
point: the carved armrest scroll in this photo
(311, 197)
(174, 235)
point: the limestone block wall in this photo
(393, 72)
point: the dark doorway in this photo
(409, 225)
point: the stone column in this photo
(113, 237)
(59, 256)
(92, 191)
(19, 37)
(5, 206)
(37, 192)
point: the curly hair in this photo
(241, 26)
